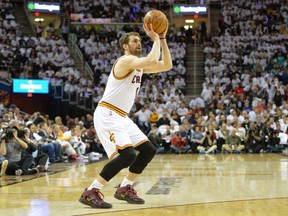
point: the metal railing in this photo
(77, 54)
(82, 100)
(29, 17)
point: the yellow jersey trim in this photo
(113, 108)
(119, 148)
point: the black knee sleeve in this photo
(146, 153)
(123, 160)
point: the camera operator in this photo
(266, 132)
(208, 142)
(253, 141)
(40, 159)
(11, 148)
(274, 142)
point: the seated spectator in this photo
(89, 121)
(11, 149)
(93, 144)
(164, 120)
(142, 118)
(175, 118)
(233, 143)
(195, 139)
(241, 132)
(56, 135)
(178, 144)
(274, 142)
(208, 142)
(40, 159)
(253, 142)
(154, 117)
(182, 110)
(223, 133)
(74, 138)
(155, 139)
(166, 136)
(52, 149)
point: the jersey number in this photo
(137, 92)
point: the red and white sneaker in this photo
(94, 198)
(128, 194)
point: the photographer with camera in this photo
(40, 159)
(253, 141)
(208, 142)
(274, 142)
(11, 148)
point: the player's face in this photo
(134, 46)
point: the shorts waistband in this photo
(111, 107)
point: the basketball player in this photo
(118, 134)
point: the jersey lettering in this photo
(136, 79)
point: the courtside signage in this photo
(189, 9)
(46, 7)
(33, 86)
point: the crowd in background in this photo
(242, 109)
(30, 143)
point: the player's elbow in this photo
(169, 66)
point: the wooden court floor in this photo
(173, 185)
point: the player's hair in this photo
(125, 38)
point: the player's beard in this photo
(135, 51)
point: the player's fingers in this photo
(146, 27)
(151, 27)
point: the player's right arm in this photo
(131, 62)
(166, 62)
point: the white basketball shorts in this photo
(116, 131)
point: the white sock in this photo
(96, 184)
(126, 182)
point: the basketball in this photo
(158, 20)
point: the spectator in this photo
(208, 142)
(252, 140)
(178, 144)
(11, 149)
(195, 139)
(274, 142)
(233, 143)
(223, 133)
(155, 139)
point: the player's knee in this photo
(147, 151)
(127, 155)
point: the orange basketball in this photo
(158, 20)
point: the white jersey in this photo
(115, 129)
(121, 92)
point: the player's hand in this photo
(150, 32)
(163, 34)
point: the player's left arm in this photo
(165, 63)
